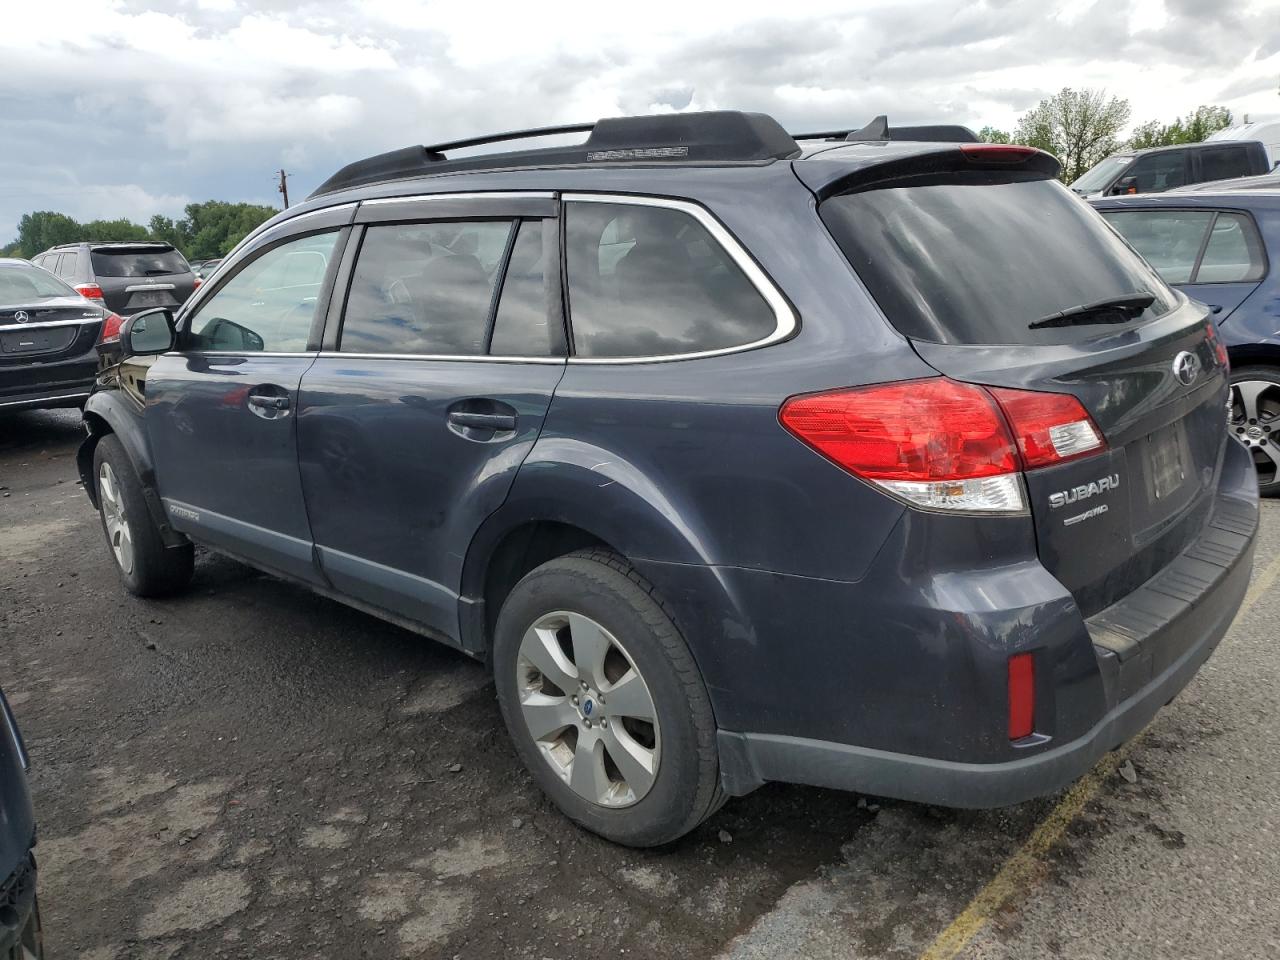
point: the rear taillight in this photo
(942, 444)
(1050, 427)
(1219, 348)
(110, 329)
(196, 286)
(90, 291)
(1022, 696)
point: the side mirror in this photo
(147, 333)
(1125, 185)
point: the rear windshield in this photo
(975, 261)
(149, 262)
(20, 284)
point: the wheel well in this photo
(520, 551)
(98, 428)
(1254, 354)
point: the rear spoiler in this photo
(878, 130)
(827, 176)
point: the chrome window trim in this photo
(466, 357)
(239, 353)
(786, 321)
(491, 195)
(45, 324)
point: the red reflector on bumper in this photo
(1022, 696)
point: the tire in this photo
(147, 567)
(1255, 419)
(30, 943)
(642, 784)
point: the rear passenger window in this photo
(424, 288)
(1169, 240)
(1224, 163)
(648, 281)
(522, 327)
(67, 265)
(1234, 252)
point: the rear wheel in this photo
(30, 942)
(147, 567)
(604, 702)
(1254, 419)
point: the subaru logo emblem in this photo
(587, 707)
(1186, 367)
(21, 316)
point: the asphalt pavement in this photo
(250, 770)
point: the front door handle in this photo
(483, 421)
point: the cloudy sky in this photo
(128, 107)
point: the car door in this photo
(429, 393)
(1215, 256)
(221, 408)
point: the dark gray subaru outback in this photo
(878, 463)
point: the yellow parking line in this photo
(1025, 867)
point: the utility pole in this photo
(284, 188)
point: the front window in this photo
(1100, 175)
(269, 304)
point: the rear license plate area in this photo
(151, 298)
(36, 341)
(1168, 460)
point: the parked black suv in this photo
(20, 935)
(1157, 169)
(126, 277)
(871, 463)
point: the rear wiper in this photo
(1111, 310)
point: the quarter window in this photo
(270, 303)
(648, 281)
(1234, 252)
(67, 265)
(424, 288)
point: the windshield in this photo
(973, 261)
(138, 262)
(22, 284)
(1100, 175)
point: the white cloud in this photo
(206, 98)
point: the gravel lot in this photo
(249, 770)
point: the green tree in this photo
(212, 228)
(43, 229)
(992, 135)
(1194, 128)
(1079, 127)
(112, 230)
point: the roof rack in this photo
(879, 130)
(716, 136)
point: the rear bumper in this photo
(62, 384)
(1147, 647)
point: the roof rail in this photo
(879, 130)
(715, 136)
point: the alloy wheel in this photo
(588, 709)
(119, 535)
(1254, 417)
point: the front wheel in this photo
(1254, 419)
(147, 567)
(604, 702)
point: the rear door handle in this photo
(483, 421)
(268, 403)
